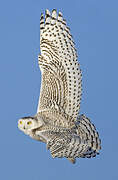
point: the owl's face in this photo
(27, 124)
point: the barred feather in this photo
(61, 75)
(57, 122)
(84, 142)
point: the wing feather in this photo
(61, 74)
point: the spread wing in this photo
(61, 74)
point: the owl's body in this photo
(57, 122)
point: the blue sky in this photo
(94, 26)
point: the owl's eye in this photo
(29, 122)
(20, 122)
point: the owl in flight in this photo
(58, 122)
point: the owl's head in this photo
(28, 124)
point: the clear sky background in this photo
(94, 26)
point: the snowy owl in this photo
(58, 122)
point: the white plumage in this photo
(57, 122)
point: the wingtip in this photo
(42, 16)
(54, 10)
(60, 16)
(54, 13)
(41, 21)
(47, 12)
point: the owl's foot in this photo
(72, 160)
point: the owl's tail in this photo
(87, 131)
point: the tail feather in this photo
(87, 131)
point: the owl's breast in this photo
(35, 135)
